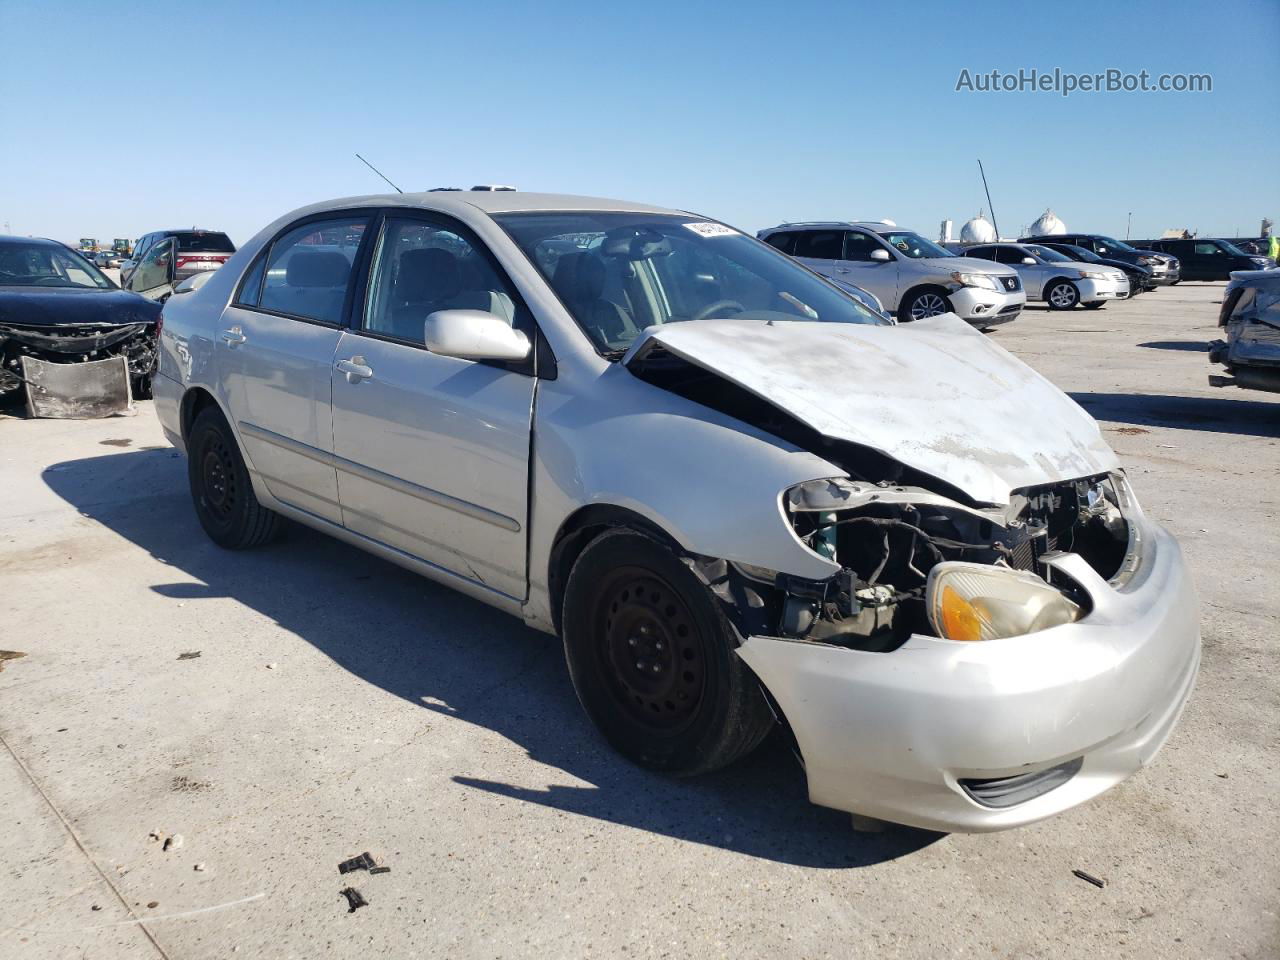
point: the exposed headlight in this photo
(975, 280)
(1147, 261)
(973, 601)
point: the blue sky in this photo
(122, 119)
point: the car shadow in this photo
(454, 656)
(1194, 346)
(1245, 417)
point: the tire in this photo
(652, 659)
(220, 487)
(1062, 295)
(923, 303)
(1095, 305)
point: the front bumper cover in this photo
(978, 305)
(891, 735)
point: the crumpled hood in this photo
(935, 395)
(47, 306)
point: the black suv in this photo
(1165, 269)
(1207, 259)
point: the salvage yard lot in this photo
(341, 705)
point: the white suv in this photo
(912, 276)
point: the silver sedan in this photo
(1056, 279)
(738, 495)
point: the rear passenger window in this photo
(819, 244)
(420, 268)
(309, 269)
(783, 241)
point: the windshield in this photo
(1047, 254)
(618, 273)
(202, 241)
(1231, 248)
(1080, 253)
(47, 265)
(914, 246)
(1116, 244)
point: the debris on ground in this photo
(155, 835)
(9, 655)
(199, 868)
(189, 655)
(1089, 878)
(272, 666)
(354, 900)
(173, 843)
(153, 904)
(95, 907)
(363, 862)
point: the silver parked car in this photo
(913, 277)
(1250, 318)
(735, 492)
(1055, 278)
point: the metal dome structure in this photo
(978, 230)
(1048, 225)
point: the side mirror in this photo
(473, 335)
(880, 256)
(1029, 261)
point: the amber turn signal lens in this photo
(959, 620)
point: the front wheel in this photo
(653, 659)
(1062, 295)
(925, 303)
(220, 487)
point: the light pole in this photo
(1128, 224)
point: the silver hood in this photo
(935, 395)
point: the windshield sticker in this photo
(705, 229)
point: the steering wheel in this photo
(711, 308)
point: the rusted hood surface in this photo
(935, 395)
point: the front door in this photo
(432, 452)
(153, 277)
(878, 276)
(275, 348)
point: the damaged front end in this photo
(77, 370)
(894, 545)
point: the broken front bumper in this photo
(986, 308)
(919, 735)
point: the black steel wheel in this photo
(652, 658)
(220, 487)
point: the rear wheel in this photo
(1062, 295)
(220, 487)
(652, 659)
(922, 304)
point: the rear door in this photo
(275, 348)
(432, 451)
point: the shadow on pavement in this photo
(1194, 346)
(455, 656)
(1246, 417)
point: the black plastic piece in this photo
(1001, 792)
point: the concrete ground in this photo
(339, 705)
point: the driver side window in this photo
(859, 246)
(420, 268)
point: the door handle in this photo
(234, 337)
(355, 369)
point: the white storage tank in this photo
(1048, 226)
(978, 230)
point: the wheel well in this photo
(924, 288)
(193, 402)
(1051, 281)
(581, 527)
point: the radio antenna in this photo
(377, 171)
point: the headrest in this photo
(321, 268)
(580, 277)
(427, 275)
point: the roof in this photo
(873, 225)
(14, 241)
(497, 201)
